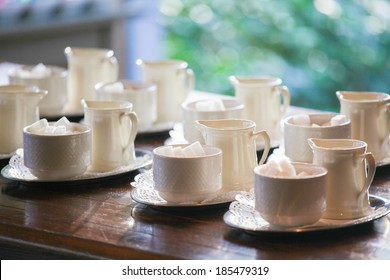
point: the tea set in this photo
(320, 172)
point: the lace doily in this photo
(18, 171)
(144, 192)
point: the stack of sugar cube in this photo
(210, 105)
(61, 127)
(278, 165)
(115, 87)
(193, 150)
(37, 72)
(305, 120)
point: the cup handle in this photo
(286, 98)
(267, 146)
(134, 125)
(371, 166)
(111, 68)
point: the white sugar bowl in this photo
(57, 156)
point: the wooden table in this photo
(100, 220)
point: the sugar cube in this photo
(177, 152)
(338, 120)
(197, 149)
(301, 119)
(210, 105)
(115, 87)
(39, 126)
(63, 122)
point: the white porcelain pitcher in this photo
(237, 140)
(350, 173)
(174, 81)
(369, 113)
(114, 128)
(262, 102)
(19, 107)
(86, 68)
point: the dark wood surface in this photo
(100, 220)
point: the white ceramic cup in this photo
(369, 114)
(174, 81)
(234, 109)
(19, 107)
(350, 173)
(237, 140)
(296, 146)
(114, 128)
(291, 202)
(54, 80)
(57, 157)
(86, 68)
(187, 179)
(263, 103)
(143, 96)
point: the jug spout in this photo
(202, 127)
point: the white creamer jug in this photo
(350, 173)
(237, 140)
(19, 107)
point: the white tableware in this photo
(143, 96)
(369, 113)
(46, 77)
(144, 192)
(174, 81)
(296, 135)
(19, 107)
(86, 68)
(237, 139)
(114, 128)
(350, 173)
(18, 172)
(189, 178)
(263, 103)
(291, 201)
(243, 216)
(232, 109)
(57, 157)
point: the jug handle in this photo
(286, 98)
(134, 125)
(267, 146)
(190, 79)
(371, 166)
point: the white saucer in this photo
(16, 171)
(145, 193)
(243, 216)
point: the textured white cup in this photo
(55, 83)
(291, 202)
(143, 96)
(55, 157)
(295, 136)
(187, 179)
(234, 109)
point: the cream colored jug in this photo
(262, 102)
(237, 140)
(86, 68)
(19, 107)
(350, 173)
(174, 81)
(114, 128)
(369, 114)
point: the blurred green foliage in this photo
(316, 47)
